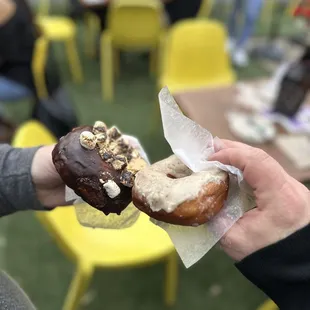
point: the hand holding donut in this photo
(283, 204)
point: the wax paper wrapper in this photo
(193, 144)
(91, 217)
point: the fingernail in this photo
(218, 144)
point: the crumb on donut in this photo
(101, 138)
(114, 133)
(127, 178)
(112, 189)
(99, 127)
(105, 155)
(88, 140)
(119, 162)
(136, 164)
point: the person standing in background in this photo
(76, 9)
(181, 9)
(250, 11)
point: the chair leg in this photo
(116, 60)
(88, 48)
(153, 62)
(38, 67)
(171, 279)
(91, 29)
(74, 60)
(78, 286)
(106, 60)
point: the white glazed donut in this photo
(170, 192)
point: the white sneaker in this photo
(240, 58)
(230, 45)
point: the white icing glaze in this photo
(163, 193)
(112, 189)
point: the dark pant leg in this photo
(102, 13)
(182, 9)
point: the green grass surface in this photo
(31, 256)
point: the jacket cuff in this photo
(282, 271)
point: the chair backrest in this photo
(195, 50)
(43, 7)
(135, 23)
(39, 61)
(32, 133)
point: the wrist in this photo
(50, 189)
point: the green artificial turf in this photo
(31, 256)
(34, 260)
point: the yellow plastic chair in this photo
(202, 62)
(205, 8)
(133, 25)
(91, 30)
(141, 244)
(268, 305)
(61, 29)
(39, 59)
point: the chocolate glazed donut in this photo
(86, 172)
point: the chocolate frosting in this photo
(82, 169)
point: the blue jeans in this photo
(11, 90)
(251, 9)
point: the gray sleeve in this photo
(12, 297)
(17, 192)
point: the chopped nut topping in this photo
(123, 145)
(99, 127)
(136, 164)
(113, 147)
(116, 150)
(127, 179)
(119, 162)
(114, 133)
(88, 140)
(135, 153)
(105, 155)
(101, 138)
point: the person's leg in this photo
(182, 9)
(11, 90)
(102, 14)
(252, 12)
(76, 9)
(233, 18)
